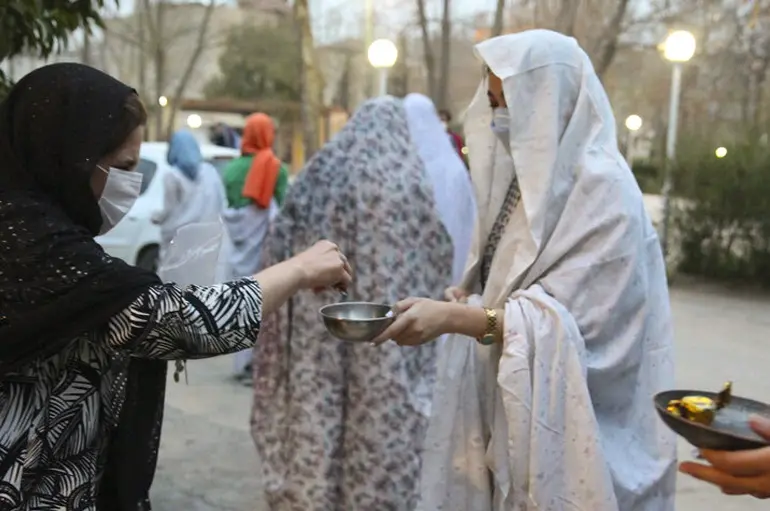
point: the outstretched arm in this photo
(421, 320)
(171, 322)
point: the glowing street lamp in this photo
(383, 55)
(194, 121)
(678, 48)
(634, 123)
(721, 152)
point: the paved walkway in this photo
(720, 337)
(208, 461)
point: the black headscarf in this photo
(56, 282)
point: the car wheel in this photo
(148, 258)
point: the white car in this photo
(136, 239)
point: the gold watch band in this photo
(490, 334)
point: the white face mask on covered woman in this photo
(501, 126)
(121, 191)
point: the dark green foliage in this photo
(723, 220)
(649, 176)
(40, 27)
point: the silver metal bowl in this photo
(356, 321)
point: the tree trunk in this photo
(756, 84)
(403, 44)
(343, 95)
(159, 54)
(141, 52)
(608, 44)
(446, 53)
(760, 118)
(86, 50)
(427, 48)
(567, 17)
(310, 79)
(497, 28)
(368, 40)
(103, 51)
(181, 85)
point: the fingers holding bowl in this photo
(400, 325)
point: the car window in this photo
(147, 168)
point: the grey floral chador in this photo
(339, 426)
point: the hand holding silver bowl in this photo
(356, 321)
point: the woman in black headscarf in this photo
(84, 338)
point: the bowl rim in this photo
(365, 320)
(661, 409)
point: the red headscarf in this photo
(258, 136)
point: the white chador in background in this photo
(452, 187)
(557, 417)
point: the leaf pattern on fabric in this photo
(57, 415)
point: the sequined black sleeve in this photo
(169, 322)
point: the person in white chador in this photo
(452, 187)
(192, 192)
(551, 409)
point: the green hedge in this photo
(648, 175)
(722, 223)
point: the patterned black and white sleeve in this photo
(170, 322)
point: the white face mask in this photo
(444, 124)
(501, 126)
(120, 193)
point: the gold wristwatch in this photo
(490, 334)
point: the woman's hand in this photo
(455, 294)
(322, 266)
(418, 320)
(737, 473)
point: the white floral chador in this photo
(559, 417)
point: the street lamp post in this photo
(633, 124)
(382, 56)
(678, 49)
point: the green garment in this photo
(234, 177)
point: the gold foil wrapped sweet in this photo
(701, 409)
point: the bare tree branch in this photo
(608, 44)
(153, 23)
(182, 33)
(566, 18)
(497, 28)
(446, 55)
(125, 37)
(159, 57)
(427, 48)
(86, 49)
(312, 84)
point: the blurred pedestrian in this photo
(340, 426)
(192, 191)
(457, 140)
(84, 337)
(225, 136)
(452, 187)
(255, 186)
